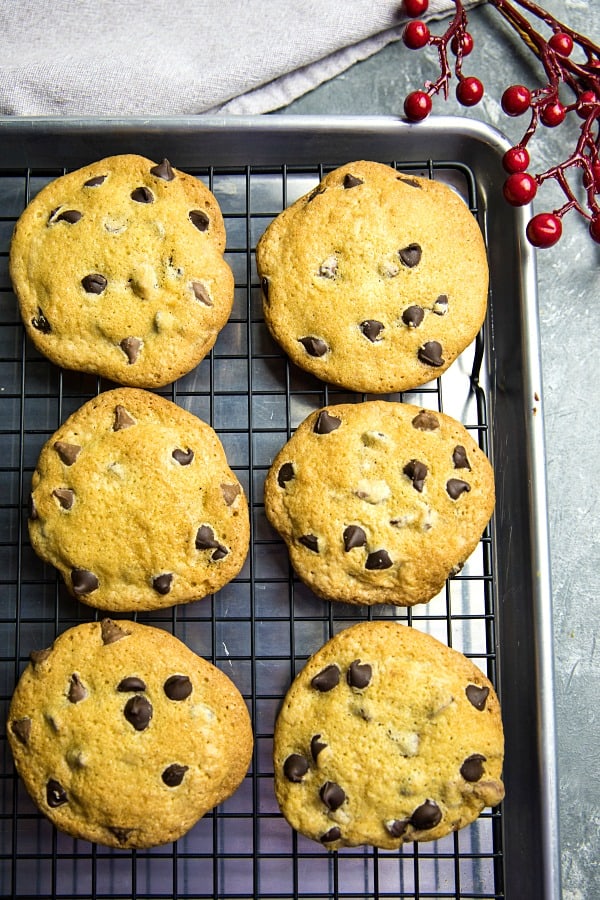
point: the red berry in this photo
(465, 44)
(414, 8)
(520, 188)
(417, 106)
(561, 43)
(586, 104)
(553, 114)
(469, 91)
(515, 160)
(544, 230)
(595, 228)
(516, 100)
(415, 35)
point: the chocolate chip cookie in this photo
(134, 503)
(375, 281)
(379, 502)
(122, 735)
(119, 271)
(387, 736)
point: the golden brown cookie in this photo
(124, 736)
(375, 281)
(379, 502)
(119, 271)
(387, 736)
(134, 503)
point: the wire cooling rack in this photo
(260, 628)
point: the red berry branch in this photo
(571, 64)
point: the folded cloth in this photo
(183, 57)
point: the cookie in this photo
(118, 269)
(374, 281)
(122, 735)
(134, 503)
(387, 736)
(379, 502)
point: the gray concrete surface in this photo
(569, 299)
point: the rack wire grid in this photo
(259, 629)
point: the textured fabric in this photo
(153, 57)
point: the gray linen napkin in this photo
(182, 57)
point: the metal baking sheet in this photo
(262, 627)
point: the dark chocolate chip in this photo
(285, 474)
(32, 512)
(411, 182)
(326, 423)
(173, 774)
(431, 354)
(326, 679)
(316, 746)
(417, 472)
(131, 684)
(426, 421)
(94, 283)
(310, 541)
(334, 834)
(460, 459)
(314, 346)
(142, 195)
(84, 581)
(163, 170)
(131, 347)
(112, 632)
(413, 316)
(55, 794)
(295, 767)
(359, 674)
(77, 691)
(138, 712)
(162, 583)
(65, 497)
(410, 256)
(332, 795)
(351, 181)
(122, 419)
(96, 181)
(38, 656)
(178, 687)
(371, 329)
(121, 834)
(456, 487)
(472, 767)
(264, 283)
(379, 559)
(426, 816)
(199, 219)
(68, 453)
(205, 540)
(69, 215)
(477, 696)
(41, 323)
(230, 492)
(183, 457)
(315, 193)
(354, 536)
(440, 307)
(397, 828)
(21, 728)
(201, 293)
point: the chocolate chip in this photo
(94, 283)
(295, 767)
(84, 581)
(65, 497)
(359, 674)
(426, 816)
(332, 795)
(354, 536)
(316, 746)
(413, 316)
(326, 679)
(142, 195)
(264, 283)
(77, 691)
(68, 453)
(472, 767)
(334, 834)
(121, 834)
(96, 181)
(410, 256)
(131, 347)
(456, 487)
(440, 307)
(162, 583)
(38, 656)
(21, 728)
(178, 687)
(285, 474)
(183, 457)
(173, 775)
(411, 182)
(371, 329)
(112, 632)
(351, 181)
(199, 219)
(122, 419)
(205, 540)
(326, 423)
(379, 559)
(69, 215)
(417, 472)
(460, 459)
(41, 323)
(32, 512)
(310, 541)
(163, 170)
(397, 828)
(55, 794)
(426, 421)
(431, 354)
(130, 684)
(201, 293)
(477, 696)
(230, 492)
(314, 346)
(138, 712)
(315, 193)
